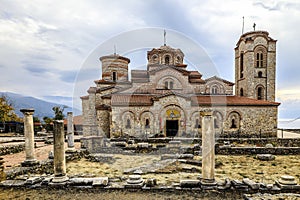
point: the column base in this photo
(60, 179)
(208, 184)
(71, 150)
(30, 163)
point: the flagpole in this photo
(243, 26)
(165, 43)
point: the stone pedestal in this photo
(59, 152)
(29, 138)
(208, 149)
(70, 133)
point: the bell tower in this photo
(255, 66)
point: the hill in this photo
(42, 108)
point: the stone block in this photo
(143, 145)
(33, 180)
(151, 182)
(189, 183)
(253, 185)
(265, 157)
(101, 181)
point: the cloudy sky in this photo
(45, 43)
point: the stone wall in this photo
(11, 149)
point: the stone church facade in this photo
(166, 98)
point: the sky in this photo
(46, 45)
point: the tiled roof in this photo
(220, 79)
(206, 100)
(131, 100)
(77, 120)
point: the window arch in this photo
(260, 56)
(155, 58)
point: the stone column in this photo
(59, 152)
(208, 149)
(70, 132)
(29, 137)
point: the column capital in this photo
(206, 113)
(28, 111)
(70, 113)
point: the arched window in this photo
(259, 93)
(167, 60)
(197, 124)
(155, 59)
(178, 60)
(128, 124)
(233, 124)
(171, 85)
(216, 125)
(114, 76)
(241, 92)
(147, 123)
(241, 65)
(259, 74)
(214, 90)
(259, 59)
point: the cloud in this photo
(45, 43)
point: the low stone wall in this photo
(11, 149)
(44, 167)
(284, 142)
(258, 150)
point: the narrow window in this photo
(259, 74)
(233, 125)
(197, 124)
(147, 123)
(167, 60)
(259, 59)
(114, 76)
(242, 65)
(241, 92)
(128, 124)
(259, 93)
(171, 85)
(216, 125)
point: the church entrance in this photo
(171, 128)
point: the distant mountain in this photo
(42, 108)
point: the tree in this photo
(58, 111)
(7, 111)
(48, 121)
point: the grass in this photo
(233, 167)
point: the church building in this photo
(166, 98)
